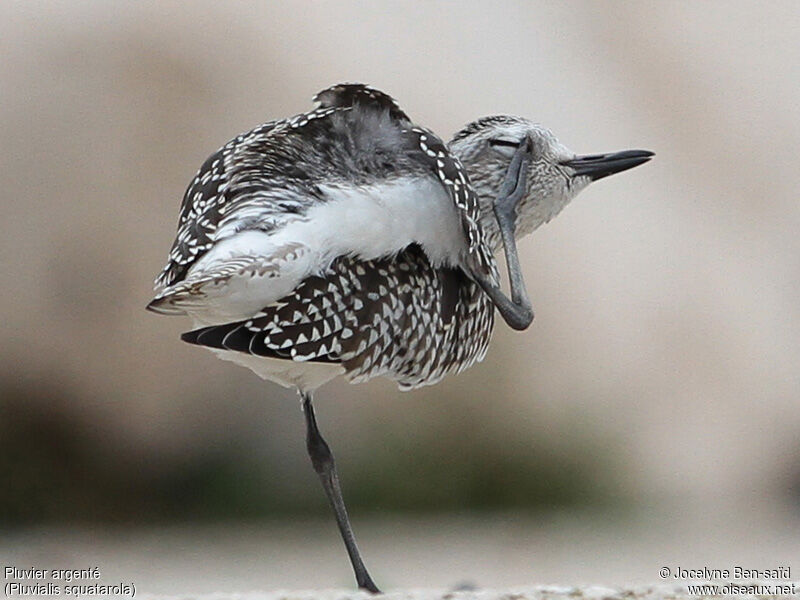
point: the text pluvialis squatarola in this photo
(349, 241)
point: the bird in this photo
(349, 241)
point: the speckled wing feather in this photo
(452, 174)
(397, 317)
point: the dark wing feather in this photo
(345, 95)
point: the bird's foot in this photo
(514, 186)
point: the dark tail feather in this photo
(238, 338)
(214, 336)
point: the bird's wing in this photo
(252, 181)
(203, 206)
(234, 284)
(397, 316)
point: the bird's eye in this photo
(504, 146)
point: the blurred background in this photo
(649, 417)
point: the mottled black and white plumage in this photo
(398, 317)
(404, 306)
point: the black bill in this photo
(598, 166)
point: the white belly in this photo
(306, 376)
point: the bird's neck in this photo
(533, 211)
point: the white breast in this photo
(379, 220)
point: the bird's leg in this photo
(323, 463)
(516, 311)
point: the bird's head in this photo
(486, 147)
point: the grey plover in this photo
(349, 241)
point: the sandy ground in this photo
(500, 552)
(659, 592)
